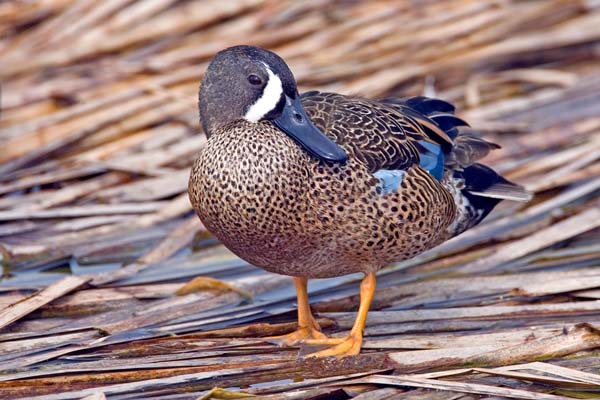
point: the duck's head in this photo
(245, 82)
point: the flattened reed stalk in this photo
(98, 130)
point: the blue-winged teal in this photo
(321, 184)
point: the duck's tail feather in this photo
(505, 191)
(467, 150)
(482, 181)
(477, 190)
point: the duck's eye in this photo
(254, 79)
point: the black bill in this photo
(295, 122)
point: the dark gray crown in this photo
(226, 93)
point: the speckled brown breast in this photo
(280, 209)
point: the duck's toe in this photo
(300, 335)
(343, 347)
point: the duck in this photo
(318, 184)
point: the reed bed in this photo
(98, 129)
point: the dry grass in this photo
(98, 130)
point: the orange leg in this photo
(308, 328)
(350, 346)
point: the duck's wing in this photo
(395, 134)
(467, 148)
(463, 147)
(383, 136)
(392, 136)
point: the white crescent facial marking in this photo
(269, 99)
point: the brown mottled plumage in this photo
(268, 192)
(287, 213)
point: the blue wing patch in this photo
(432, 159)
(389, 180)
